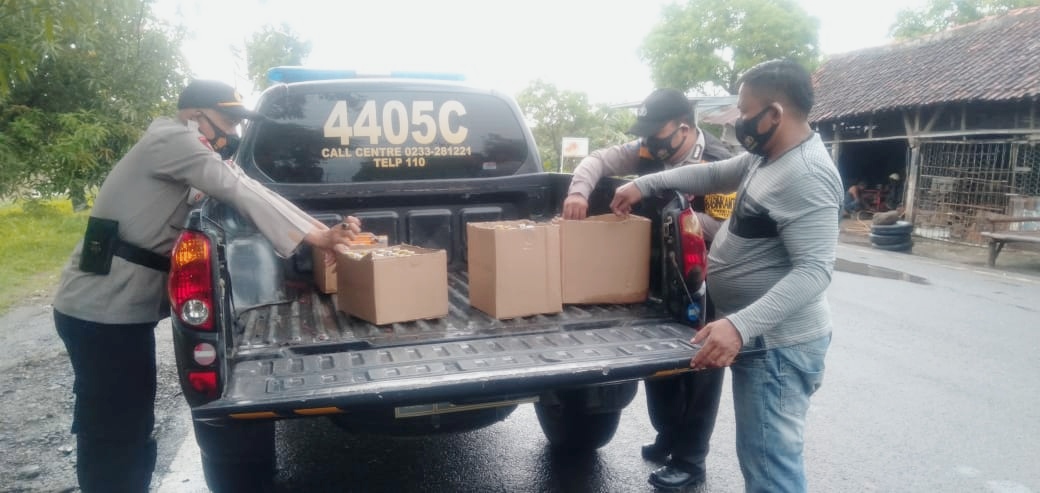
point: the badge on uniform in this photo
(195, 196)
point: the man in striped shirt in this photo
(768, 268)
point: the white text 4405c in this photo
(395, 123)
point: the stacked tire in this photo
(892, 237)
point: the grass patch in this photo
(38, 238)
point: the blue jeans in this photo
(851, 204)
(771, 390)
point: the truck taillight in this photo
(694, 251)
(203, 382)
(204, 354)
(191, 283)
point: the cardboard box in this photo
(514, 268)
(393, 284)
(325, 275)
(605, 259)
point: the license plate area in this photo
(448, 407)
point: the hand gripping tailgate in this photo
(465, 370)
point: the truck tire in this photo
(574, 429)
(237, 456)
(900, 228)
(885, 240)
(905, 246)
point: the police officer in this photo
(668, 138)
(112, 292)
(682, 408)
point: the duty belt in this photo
(142, 256)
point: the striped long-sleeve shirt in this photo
(771, 262)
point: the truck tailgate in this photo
(305, 355)
(525, 364)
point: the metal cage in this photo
(962, 182)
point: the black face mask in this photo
(222, 142)
(662, 149)
(748, 135)
(230, 146)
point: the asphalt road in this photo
(931, 385)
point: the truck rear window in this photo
(375, 136)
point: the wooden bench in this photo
(997, 239)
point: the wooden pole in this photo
(836, 145)
(915, 162)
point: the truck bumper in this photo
(474, 370)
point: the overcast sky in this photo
(585, 45)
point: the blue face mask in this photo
(749, 136)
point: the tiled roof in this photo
(994, 59)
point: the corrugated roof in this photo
(994, 59)
(719, 115)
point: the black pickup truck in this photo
(415, 160)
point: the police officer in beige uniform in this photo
(113, 293)
(682, 408)
(666, 117)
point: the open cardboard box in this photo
(605, 259)
(393, 284)
(325, 275)
(514, 268)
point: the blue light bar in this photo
(427, 75)
(288, 75)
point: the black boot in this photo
(656, 452)
(671, 477)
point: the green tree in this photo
(272, 47)
(612, 128)
(554, 113)
(85, 101)
(939, 15)
(30, 31)
(706, 45)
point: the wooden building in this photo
(955, 114)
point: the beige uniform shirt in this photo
(150, 191)
(622, 160)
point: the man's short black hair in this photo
(784, 78)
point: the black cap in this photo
(215, 95)
(659, 108)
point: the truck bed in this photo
(275, 304)
(293, 353)
(312, 321)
